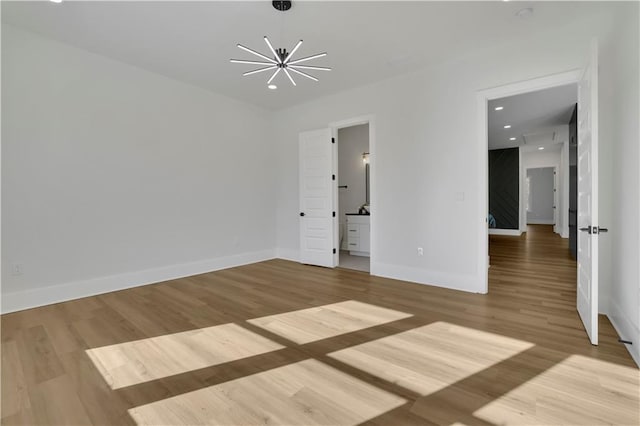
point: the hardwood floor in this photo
(281, 343)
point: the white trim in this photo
(33, 298)
(482, 99)
(373, 195)
(510, 232)
(625, 329)
(422, 276)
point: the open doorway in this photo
(529, 191)
(530, 251)
(354, 211)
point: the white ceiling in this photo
(365, 41)
(534, 117)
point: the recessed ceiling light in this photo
(272, 86)
(499, 108)
(508, 126)
(541, 148)
(512, 139)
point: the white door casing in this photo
(316, 198)
(587, 286)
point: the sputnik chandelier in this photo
(281, 60)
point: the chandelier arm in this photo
(242, 61)
(289, 75)
(274, 75)
(309, 67)
(275, 55)
(308, 58)
(303, 74)
(260, 70)
(292, 52)
(246, 49)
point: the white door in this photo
(316, 198)
(587, 291)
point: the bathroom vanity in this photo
(358, 234)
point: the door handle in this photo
(587, 229)
(301, 213)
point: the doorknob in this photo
(301, 213)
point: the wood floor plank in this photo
(15, 397)
(304, 393)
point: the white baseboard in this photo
(540, 222)
(468, 283)
(511, 232)
(288, 254)
(33, 298)
(625, 329)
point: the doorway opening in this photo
(529, 190)
(353, 200)
(517, 117)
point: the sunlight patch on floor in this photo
(321, 322)
(432, 357)
(305, 393)
(139, 361)
(578, 390)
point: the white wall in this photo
(541, 196)
(425, 190)
(113, 176)
(352, 143)
(624, 224)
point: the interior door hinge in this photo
(334, 251)
(333, 140)
(333, 177)
(334, 214)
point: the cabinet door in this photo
(365, 237)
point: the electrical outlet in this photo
(420, 251)
(16, 269)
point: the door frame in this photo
(482, 101)
(335, 126)
(556, 194)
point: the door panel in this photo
(316, 198)
(587, 291)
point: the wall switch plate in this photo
(16, 269)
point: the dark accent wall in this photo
(504, 192)
(573, 183)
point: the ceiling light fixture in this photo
(499, 108)
(272, 86)
(508, 126)
(541, 148)
(55, 1)
(512, 139)
(281, 59)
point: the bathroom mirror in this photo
(366, 171)
(365, 159)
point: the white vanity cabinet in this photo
(358, 234)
